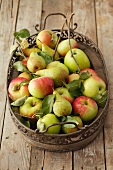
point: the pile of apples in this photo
(55, 86)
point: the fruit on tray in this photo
(18, 88)
(70, 128)
(41, 87)
(35, 62)
(80, 57)
(55, 86)
(46, 121)
(63, 46)
(31, 105)
(47, 37)
(85, 107)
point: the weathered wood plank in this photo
(91, 157)
(15, 151)
(7, 27)
(104, 11)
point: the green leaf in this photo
(47, 104)
(70, 119)
(48, 59)
(19, 101)
(23, 83)
(20, 66)
(13, 49)
(74, 87)
(23, 33)
(101, 98)
(62, 118)
(39, 114)
(25, 122)
(84, 75)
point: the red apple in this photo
(16, 90)
(86, 107)
(47, 37)
(41, 87)
(91, 71)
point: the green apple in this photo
(80, 57)
(70, 128)
(65, 93)
(18, 88)
(48, 120)
(35, 62)
(63, 46)
(86, 107)
(31, 105)
(93, 86)
(47, 37)
(41, 87)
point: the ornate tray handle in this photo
(45, 21)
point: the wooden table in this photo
(95, 20)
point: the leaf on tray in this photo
(70, 119)
(20, 66)
(19, 101)
(48, 59)
(25, 122)
(47, 104)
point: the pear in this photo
(28, 51)
(61, 107)
(49, 51)
(35, 62)
(57, 64)
(58, 75)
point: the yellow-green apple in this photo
(28, 51)
(70, 128)
(57, 64)
(63, 91)
(61, 106)
(47, 37)
(80, 57)
(31, 105)
(86, 107)
(49, 51)
(63, 46)
(73, 76)
(48, 120)
(58, 75)
(91, 71)
(93, 86)
(25, 75)
(18, 88)
(41, 87)
(35, 62)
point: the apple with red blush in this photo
(41, 87)
(86, 107)
(18, 88)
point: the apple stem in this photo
(70, 42)
(59, 38)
